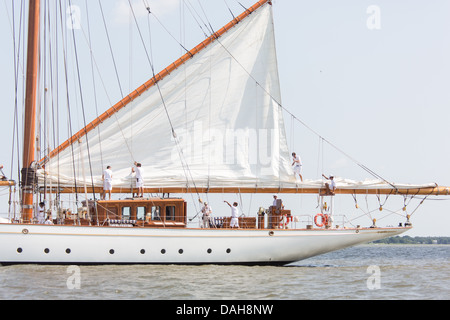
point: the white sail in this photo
(223, 105)
(214, 122)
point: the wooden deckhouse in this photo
(160, 213)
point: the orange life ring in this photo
(288, 220)
(323, 222)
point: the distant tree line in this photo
(415, 240)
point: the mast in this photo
(29, 142)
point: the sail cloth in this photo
(215, 121)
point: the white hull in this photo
(39, 244)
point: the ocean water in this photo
(368, 272)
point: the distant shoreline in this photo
(413, 240)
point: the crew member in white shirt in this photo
(139, 179)
(49, 220)
(234, 223)
(107, 183)
(331, 187)
(297, 164)
(41, 213)
(206, 210)
(275, 198)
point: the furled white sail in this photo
(223, 105)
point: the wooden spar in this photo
(152, 82)
(7, 183)
(29, 142)
(436, 191)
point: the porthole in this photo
(111, 251)
(180, 251)
(142, 251)
(228, 250)
(163, 251)
(209, 251)
(68, 251)
(19, 250)
(47, 250)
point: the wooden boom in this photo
(436, 191)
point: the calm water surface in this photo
(400, 272)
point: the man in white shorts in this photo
(234, 223)
(139, 179)
(41, 213)
(107, 183)
(207, 211)
(297, 164)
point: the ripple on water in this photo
(406, 272)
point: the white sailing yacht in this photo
(209, 123)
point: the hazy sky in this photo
(372, 77)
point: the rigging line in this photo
(16, 86)
(209, 116)
(304, 124)
(246, 9)
(226, 3)
(186, 2)
(57, 113)
(142, 39)
(82, 107)
(294, 117)
(147, 6)
(94, 61)
(196, 16)
(206, 17)
(11, 23)
(242, 6)
(185, 165)
(390, 213)
(411, 197)
(110, 48)
(170, 34)
(68, 99)
(23, 51)
(43, 131)
(183, 38)
(153, 69)
(173, 37)
(338, 149)
(51, 59)
(93, 80)
(421, 202)
(130, 80)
